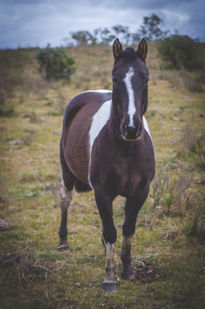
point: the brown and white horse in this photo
(106, 146)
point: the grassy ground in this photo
(168, 247)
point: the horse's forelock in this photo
(129, 54)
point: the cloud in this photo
(38, 22)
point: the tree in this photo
(181, 52)
(122, 32)
(103, 35)
(55, 64)
(150, 29)
(83, 37)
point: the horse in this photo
(106, 146)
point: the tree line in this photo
(150, 30)
(176, 50)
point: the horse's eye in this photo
(146, 79)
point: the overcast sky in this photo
(28, 23)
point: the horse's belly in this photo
(76, 146)
(77, 161)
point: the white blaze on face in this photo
(131, 99)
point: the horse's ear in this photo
(142, 49)
(117, 48)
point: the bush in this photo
(192, 147)
(181, 52)
(170, 191)
(194, 82)
(194, 223)
(55, 64)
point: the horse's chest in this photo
(128, 175)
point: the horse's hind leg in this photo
(65, 199)
(132, 207)
(68, 181)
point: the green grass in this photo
(35, 275)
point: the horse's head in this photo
(130, 90)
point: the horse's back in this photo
(76, 124)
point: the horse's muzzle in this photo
(131, 133)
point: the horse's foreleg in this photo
(65, 199)
(104, 204)
(132, 207)
(128, 272)
(109, 283)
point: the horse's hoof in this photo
(64, 248)
(109, 287)
(128, 275)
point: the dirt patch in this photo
(148, 271)
(11, 259)
(25, 266)
(4, 225)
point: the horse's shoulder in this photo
(83, 99)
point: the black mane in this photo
(129, 54)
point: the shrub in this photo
(194, 223)
(181, 52)
(192, 147)
(13, 64)
(194, 83)
(6, 108)
(55, 64)
(170, 191)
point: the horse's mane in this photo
(129, 54)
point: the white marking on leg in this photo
(131, 99)
(65, 196)
(109, 264)
(98, 122)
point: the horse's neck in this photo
(114, 123)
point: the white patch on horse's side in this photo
(99, 90)
(146, 127)
(98, 122)
(131, 99)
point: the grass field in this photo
(168, 246)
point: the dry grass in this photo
(170, 191)
(40, 277)
(191, 147)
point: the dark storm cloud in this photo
(141, 4)
(38, 22)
